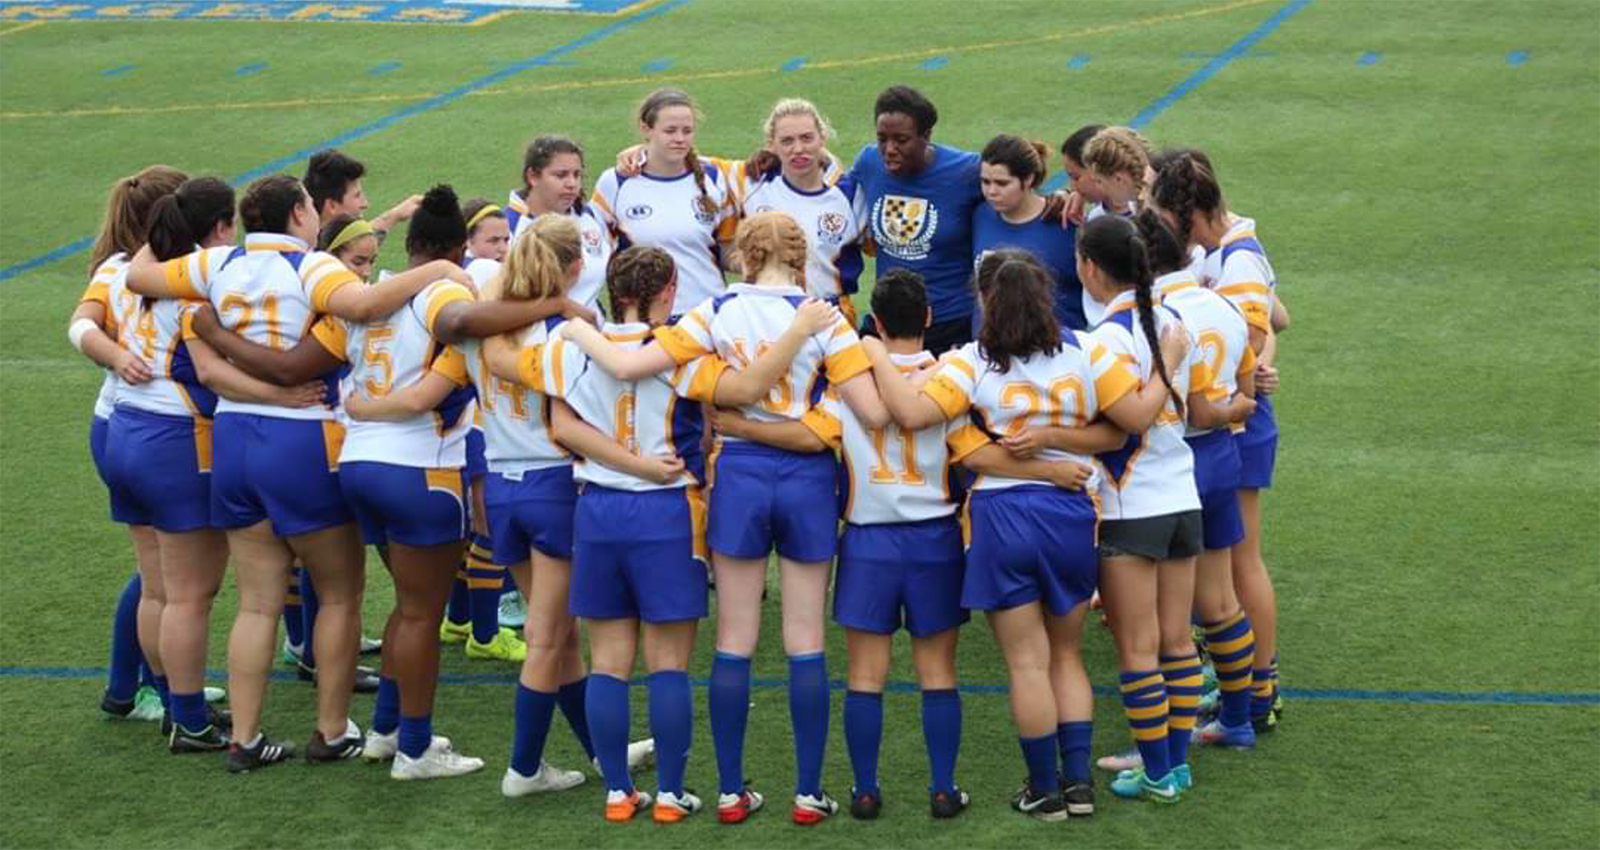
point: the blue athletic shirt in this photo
(1048, 243)
(923, 222)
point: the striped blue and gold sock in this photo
(485, 579)
(1232, 645)
(1184, 680)
(1144, 701)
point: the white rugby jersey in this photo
(1220, 334)
(99, 291)
(156, 329)
(1152, 474)
(741, 323)
(481, 270)
(594, 234)
(395, 352)
(894, 476)
(666, 212)
(1067, 388)
(268, 292)
(657, 415)
(830, 222)
(1238, 270)
(516, 419)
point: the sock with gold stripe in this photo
(1232, 645)
(1144, 701)
(1184, 681)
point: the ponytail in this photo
(1185, 185)
(536, 266)
(183, 219)
(1019, 319)
(169, 234)
(128, 208)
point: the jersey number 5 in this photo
(377, 360)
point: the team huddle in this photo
(1057, 404)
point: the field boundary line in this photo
(608, 82)
(44, 672)
(389, 120)
(25, 26)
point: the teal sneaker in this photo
(291, 653)
(147, 705)
(1133, 784)
(1184, 776)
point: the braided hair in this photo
(651, 108)
(638, 275)
(1114, 244)
(1185, 185)
(771, 238)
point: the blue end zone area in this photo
(411, 12)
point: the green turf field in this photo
(1433, 529)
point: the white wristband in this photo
(77, 329)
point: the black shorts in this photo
(1158, 538)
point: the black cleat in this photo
(208, 740)
(946, 804)
(319, 750)
(1045, 807)
(865, 805)
(1079, 797)
(366, 680)
(242, 759)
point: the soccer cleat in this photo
(1128, 760)
(365, 682)
(513, 611)
(380, 747)
(214, 695)
(370, 646)
(1265, 723)
(621, 806)
(1184, 776)
(640, 754)
(671, 808)
(207, 740)
(291, 652)
(810, 811)
(1045, 807)
(1133, 784)
(1079, 797)
(865, 805)
(1241, 737)
(504, 646)
(319, 750)
(737, 808)
(547, 778)
(242, 759)
(944, 804)
(145, 705)
(452, 632)
(436, 762)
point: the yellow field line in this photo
(618, 82)
(20, 27)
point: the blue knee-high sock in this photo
(308, 614)
(607, 705)
(728, 696)
(941, 731)
(166, 694)
(416, 733)
(1074, 738)
(863, 735)
(123, 681)
(1144, 701)
(532, 727)
(189, 710)
(386, 708)
(809, 710)
(672, 725)
(294, 624)
(459, 610)
(1232, 644)
(1040, 755)
(572, 698)
(485, 579)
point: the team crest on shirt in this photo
(830, 228)
(637, 212)
(701, 214)
(904, 226)
(591, 242)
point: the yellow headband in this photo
(480, 215)
(351, 232)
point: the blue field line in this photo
(117, 71)
(252, 68)
(25, 671)
(387, 121)
(1371, 57)
(383, 68)
(1516, 57)
(656, 65)
(1198, 78)
(935, 63)
(1077, 61)
(794, 64)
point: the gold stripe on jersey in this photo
(443, 296)
(950, 398)
(964, 441)
(827, 428)
(331, 333)
(846, 363)
(179, 282)
(332, 442)
(1115, 382)
(702, 384)
(679, 344)
(452, 365)
(530, 368)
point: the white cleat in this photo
(640, 755)
(214, 694)
(548, 778)
(437, 762)
(381, 747)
